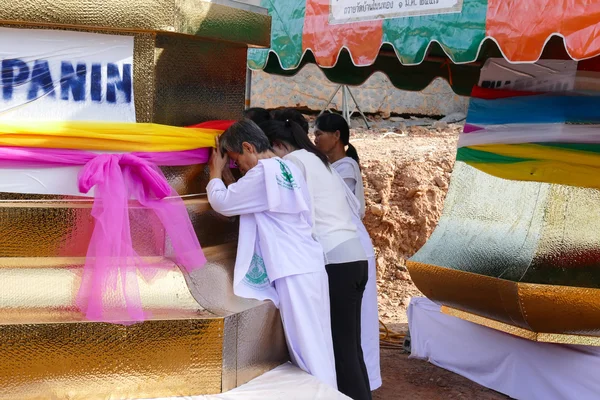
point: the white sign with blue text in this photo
(51, 75)
(345, 11)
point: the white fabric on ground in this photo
(285, 382)
(517, 367)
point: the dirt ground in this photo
(410, 379)
(406, 172)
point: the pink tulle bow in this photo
(111, 261)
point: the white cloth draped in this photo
(519, 368)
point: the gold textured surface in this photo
(62, 228)
(523, 333)
(561, 309)
(490, 226)
(490, 323)
(143, 74)
(177, 357)
(229, 368)
(55, 287)
(225, 20)
(520, 253)
(194, 83)
(212, 286)
(568, 250)
(559, 314)
(483, 295)
(261, 344)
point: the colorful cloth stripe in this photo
(529, 133)
(106, 136)
(538, 109)
(533, 137)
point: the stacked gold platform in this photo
(189, 66)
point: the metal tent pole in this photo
(248, 95)
(357, 108)
(330, 100)
(346, 112)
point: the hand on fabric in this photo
(217, 162)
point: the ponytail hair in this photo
(292, 134)
(331, 123)
(353, 154)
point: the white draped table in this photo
(517, 367)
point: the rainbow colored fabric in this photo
(552, 138)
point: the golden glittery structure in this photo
(189, 66)
(520, 257)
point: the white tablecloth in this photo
(285, 382)
(517, 367)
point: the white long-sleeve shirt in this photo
(273, 203)
(349, 170)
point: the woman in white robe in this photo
(277, 258)
(346, 262)
(332, 136)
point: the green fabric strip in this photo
(585, 147)
(459, 34)
(286, 34)
(469, 155)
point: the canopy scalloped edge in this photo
(448, 53)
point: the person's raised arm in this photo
(246, 196)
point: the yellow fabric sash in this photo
(107, 136)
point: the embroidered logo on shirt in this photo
(257, 273)
(288, 179)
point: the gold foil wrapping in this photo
(524, 255)
(48, 350)
(224, 21)
(80, 360)
(198, 81)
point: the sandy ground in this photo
(410, 379)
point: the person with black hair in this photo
(332, 135)
(277, 258)
(333, 207)
(257, 115)
(290, 114)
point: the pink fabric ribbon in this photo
(111, 260)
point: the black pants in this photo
(346, 287)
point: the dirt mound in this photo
(406, 175)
